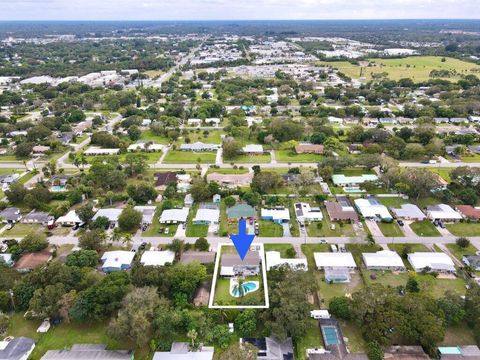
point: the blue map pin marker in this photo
(242, 241)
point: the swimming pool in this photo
(248, 287)
(57, 188)
(330, 335)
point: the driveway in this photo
(373, 227)
(180, 234)
(407, 230)
(286, 229)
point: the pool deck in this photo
(338, 350)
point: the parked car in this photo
(167, 230)
(441, 224)
(10, 226)
(143, 245)
(323, 241)
(400, 222)
(144, 227)
(160, 231)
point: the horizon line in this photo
(212, 20)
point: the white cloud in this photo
(235, 9)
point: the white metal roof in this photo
(384, 258)
(276, 214)
(409, 211)
(442, 211)
(369, 210)
(207, 215)
(70, 217)
(334, 260)
(433, 260)
(339, 179)
(252, 148)
(115, 259)
(111, 214)
(179, 215)
(157, 258)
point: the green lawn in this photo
(394, 202)
(459, 252)
(279, 247)
(312, 339)
(255, 159)
(341, 229)
(195, 230)
(65, 335)
(471, 158)
(153, 229)
(269, 229)
(188, 157)
(443, 172)
(223, 297)
(417, 68)
(390, 229)
(227, 170)
(424, 228)
(23, 229)
(149, 135)
(464, 229)
(213, 137)
(287, 156)
(329, 291)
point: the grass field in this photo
(390, 229)
(443, 172)
(424, 228)
(283, 248)
(187, 157)
(254, 159)
(464, 229)
(394, 202)
(417, 68)
(312, 339)
(459, 252)
(287, 156)
(223, 297)
(269, 229)
(326, 230)
(23, 229)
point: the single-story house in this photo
(203, 257)
(36, 217)
(469, 211)
(111, 214)
(213, 121)
(343, 180)
(181, 351)
(94, 151)
(10, 215)
(244, 211)
(7, 259)
(231, 180)
(148, 212)
(33, 260)
(304, 212)
(142, 146)
(409, 212)
(70, 219)
(270, 348)
(207, 216)
(435, 261)
(173, 216)
(473, 261)
(199, 146)
(464, 352)
(188, 200)
(277, 215)
(443, 212)
(117, 260)
(342, 210)
(87, 352)
(306, 148)
(194, 122)
(371, 209)
(334, 260)
(40, 149)
(253, 149)
(163, 179)
(157, 258)
(18, 348)
(383, 260)
(274, 259)
(405, 352)
(232, 265)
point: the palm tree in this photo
(127, 239)
(239, 288)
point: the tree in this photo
(82, 258)
(100, 223)
(199, 190)
(231, 149)
(453, 306)
(135, 318)
(184, 279)
(264, 182)
(463, 242)
(135, 163)
(4, 323)
(201, 244)
(412, 285)
(45, 301)
(339, 307)
(86, 213)
(246, 323)
(374, 351)
(134, 132)
(91, 240)
(16, 193)
(23, 150)
(34, 242)
(129, 219)
(142, 192)
(229, 201)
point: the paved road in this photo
(165, 77)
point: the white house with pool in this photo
(232, 265)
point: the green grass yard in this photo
(223, 297)
(459, 252)
(390, 229)
(290, 156)
(253, 159)
(20, 230)
(424, 228)
(188, 157)
(283, 248)
(464, 229)
(269, 229)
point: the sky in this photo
(237, 9)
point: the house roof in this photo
(336, 211)
(157, 258)
(231, 179)
(33, 260)
(339, 179)
(207, 215)
(442, 211)
(148, 212)
(115, 259)
(233, 259)
(469, 211)
(334, 260)
(384, 258)
(252, 148)
(412, 352)
(409, 211)
(38, 216)
(10, 214)
(111, 214)
(179, 215)
(241, 211)
(180, 351)
(372, 208)
(165, 178)
(16, 349)
(71, 217)
(87, 352)
(276, 214)
(315, 148)
(433, 260)
(204, 257)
